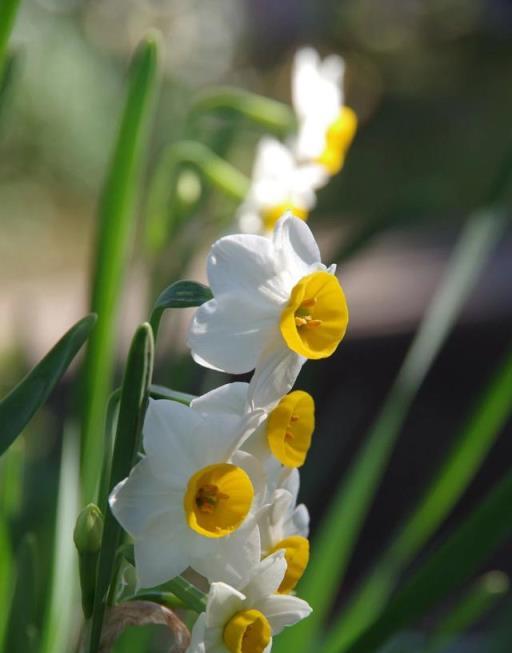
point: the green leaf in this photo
(134, 393)
(114, 241)
(447, 568)
(8, 10)
(22, 628)
(6, 578)
(163, 203)
(475, 603)
(341, 527)
(191, 596)
(182, 294)
(270, 114)
(19, 406)
(59, 625)
(446, 487)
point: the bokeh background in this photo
(430, 82)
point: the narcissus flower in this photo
(278, 184)
(246, 620)
(275, 305)
(286, 427)
(326, 126)
(191, 500)
(285, 526)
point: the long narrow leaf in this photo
(447, 568)
(6, 578)
(116, 225)
(340, 529)
(63, 598)
(448, 484)
(8, 10)
(22, 629)
(181, 294)
(18, 407)
(131, 412)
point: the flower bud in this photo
(87, 537)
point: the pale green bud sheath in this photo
(87, 537)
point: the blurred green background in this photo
(430, 82)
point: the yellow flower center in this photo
(296, 552)
(217, 499)
(316, 318)
(248, 631)
(338, 138)
(272, 214)
(290, 427)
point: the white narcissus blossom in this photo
(285, 526)
(326, 126)
(278, 184)
(192, 498)
(275, 305)
(286, 428)
(246, 620)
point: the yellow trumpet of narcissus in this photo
(189, 501)
(278, 184)
(275, 305)
(245, 620)
(326, 126)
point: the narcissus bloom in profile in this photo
(191, 500)
(286, 426)
(246, 620)
(326, 126)
(278, 184)
(275, 305)
(284, 526)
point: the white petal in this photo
(223, 602)
(197, 643)
(245, 265)
(276, 372)
(140, 499)
(169, 440)
(296, 247)
(282, 610)
(300, 521)
(290, 480)
(266, 578)
(254, 470)
(231, 559)
(256, 444)
(272, 159)
(230, 399)
(161, 555)
(229, 333)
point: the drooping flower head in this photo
(246, 620)
(286, 428)
(278, 184)
(190, 500)
(284, 525)
(275, 305)
(326, 126)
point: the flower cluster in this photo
(286, 176)
(216, 490)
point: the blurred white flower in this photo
(326, 126)
(278, 184)
(275, 305)
(246, 620)
(191, 500)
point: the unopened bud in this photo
(88, 529)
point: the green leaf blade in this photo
(19, 406)
(181, 294)
(134, 395)
(116, 226)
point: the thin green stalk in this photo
(341, 527)
(60, 616)
(8, 10)
(163, 204)
(447, 486)
(114, 241)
